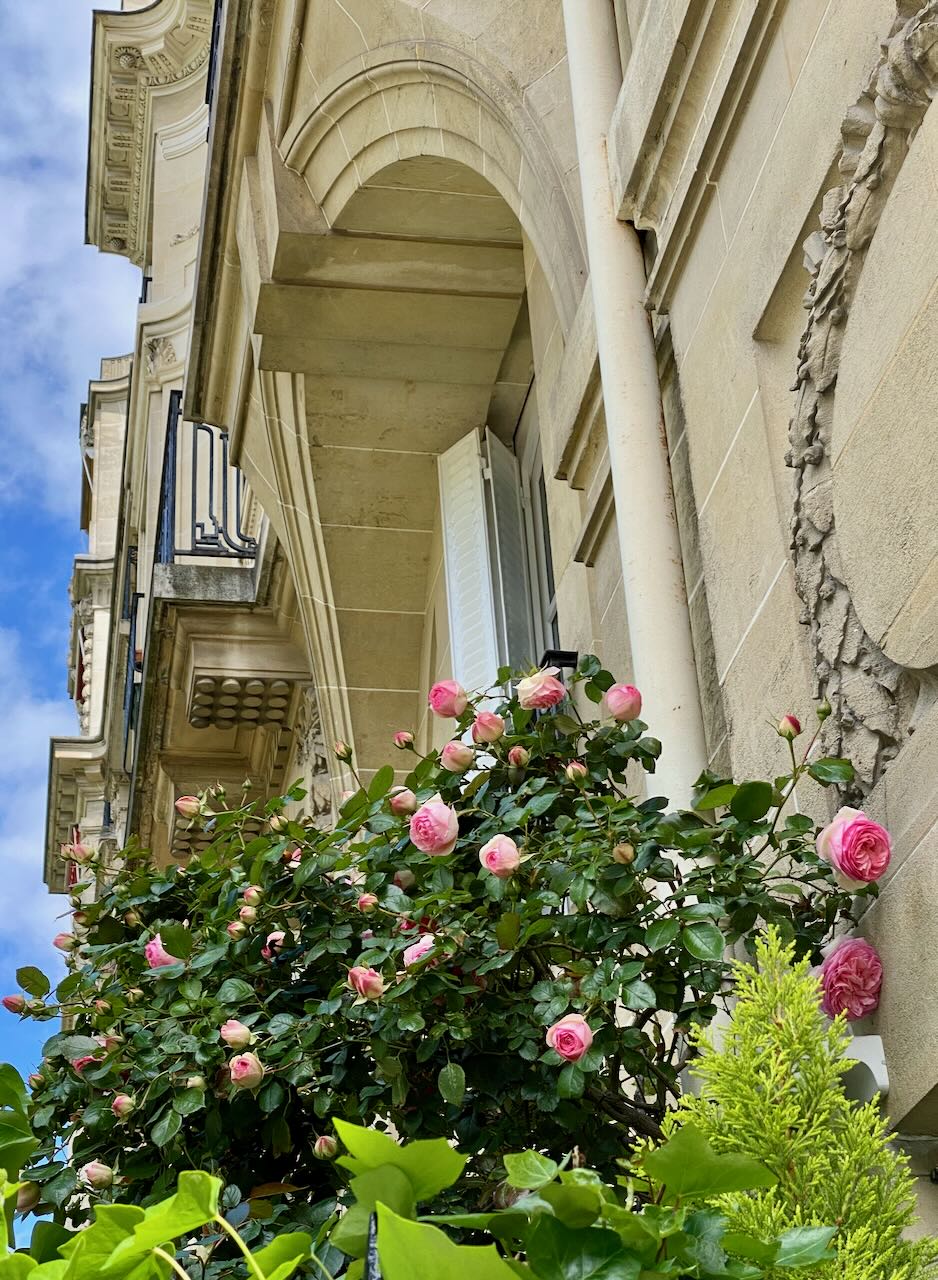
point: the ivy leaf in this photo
(831, 769)
(703, 940)
(416, 1251)
(452, 1084)
(33, 981)
(558, 1252)
(530, 1171)
(752, 801)
(803, 1246)
(688, 1166)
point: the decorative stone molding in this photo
(874, 699)
(226, 701)
(182, 236)
(160, 354)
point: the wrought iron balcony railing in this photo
(202, 496)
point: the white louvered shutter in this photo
(512, 589)
(469, 586)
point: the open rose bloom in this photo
(570, 1037)
(851, 979)
(857, 848)
(419, 950)
(157, 955)
(542, 690)
(448, 699)
(434, 828)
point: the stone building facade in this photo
(517, 325)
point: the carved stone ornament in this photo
(874, 701)
(160, 353)
(128, 57)
(311, 756)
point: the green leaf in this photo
(381, 783)
(529, 1171)
(571, 1082)
(508, 930)
(831, 769)
(558, 1252)
(415, 1251)
(575, 1206)
(271, 1096)
(660, 934)
(194, 1204)
(703, 940)
(638, 995)
(282, 1256)
(89, 1249)
(451, 1083)
(166, 1128)
(431, 1164)
(747, 1246)
(188, 1101)
(235, 991)
(803, 1246)
(751, 801)
(47, 1239)
(566, 724)
(33, 981)
(177, 940)
(717, 798)
(16, 1266)
(688, 1166)
(68, 1046)
(387, 1185)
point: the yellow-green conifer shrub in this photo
(773, 1090)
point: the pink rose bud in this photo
(518, 757)
(402, 801)
(132, 919)
(278, 822)
(28, 1196)
(367, 902)
(235, 1034)
(419, 950)
(325, 1147)
(97, 1175)
(570, 1037)
(36, 1081)
(456, 757)
(109, 1043)
(576, 772)
(368, 983)
(487, 727)
(77, 852)
(79, 1064)
(367, 933)
(157, 955)
(789, 727)
(64, 942)
(342, 751)
(293, 856)
(434, 828)
(80, 918)
(448, 699)
(133, 994)
(851, 979)
(189, 807)
(405, 879)
(248, 915)
(195, 1082)
(623, 853)
(253, 895)
(274, 944)
(122, 1105)
(857, 848)
(14, 1004)
(236, 929)
(623, 702)
(246, 1071)
(403, 739)
(541, 690)
(404, 925)
(102, 1006)
(500, 856)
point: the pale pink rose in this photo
(246, 1071)
(36, 1081)
(856, 847)
(541, 690)
(789, 727)
(851, 978)
(342, 751)
(253, 895)
(79, 1064)
(77, 852)
(235, 1034)
(189, 807)
(273, 945)
(325, 1147)
(109, 1043)
(248, 915)
(28, 1196)
(403, 739)
(236, 929)
(434, 828)
(487, 727)
(570, 1037)
(278, 822)
(14, 1004)
(518, 757)
(366, 982)
(123, 1105)
(404, 879)
(157, 955)
(402, 801)
(623, 702)
(500, 856)
(97, 1175)
(456, 757)
(448, 699)
(195, 1082)
(367, 902)
(576, 772)
(102, 1006)
(418, 950)
(64, 942)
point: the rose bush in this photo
(487, 963)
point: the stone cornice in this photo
(135, 55)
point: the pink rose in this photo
(235, 1034)
(434, 828)
(402, 801)
(248, 915)
(189, 807)
(14, 1004)
(500, 856)
(623, 702)
(79, 1064)
(541, 690)
(403, 739)
(576, 772)
(64, 941)
(36, 1081)
(367, 902)
(278, 822)
(418, 950)
(342, 751)
(246, 1071)
(97, 1175)
(195, 1082)
(236, 929)
(28, 1196)
(253, 895)
(789, 727)
(518, 757)
(487, 727)
(448, 699)
(325, 1147)
(456, 757)
(404, 879)
(856, 847)
(570, 1037)
(273, 945)
(157, 955)
(77, 852)
(122, 1105)
(851, 978)
(366, 982)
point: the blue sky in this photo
(62, 307)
